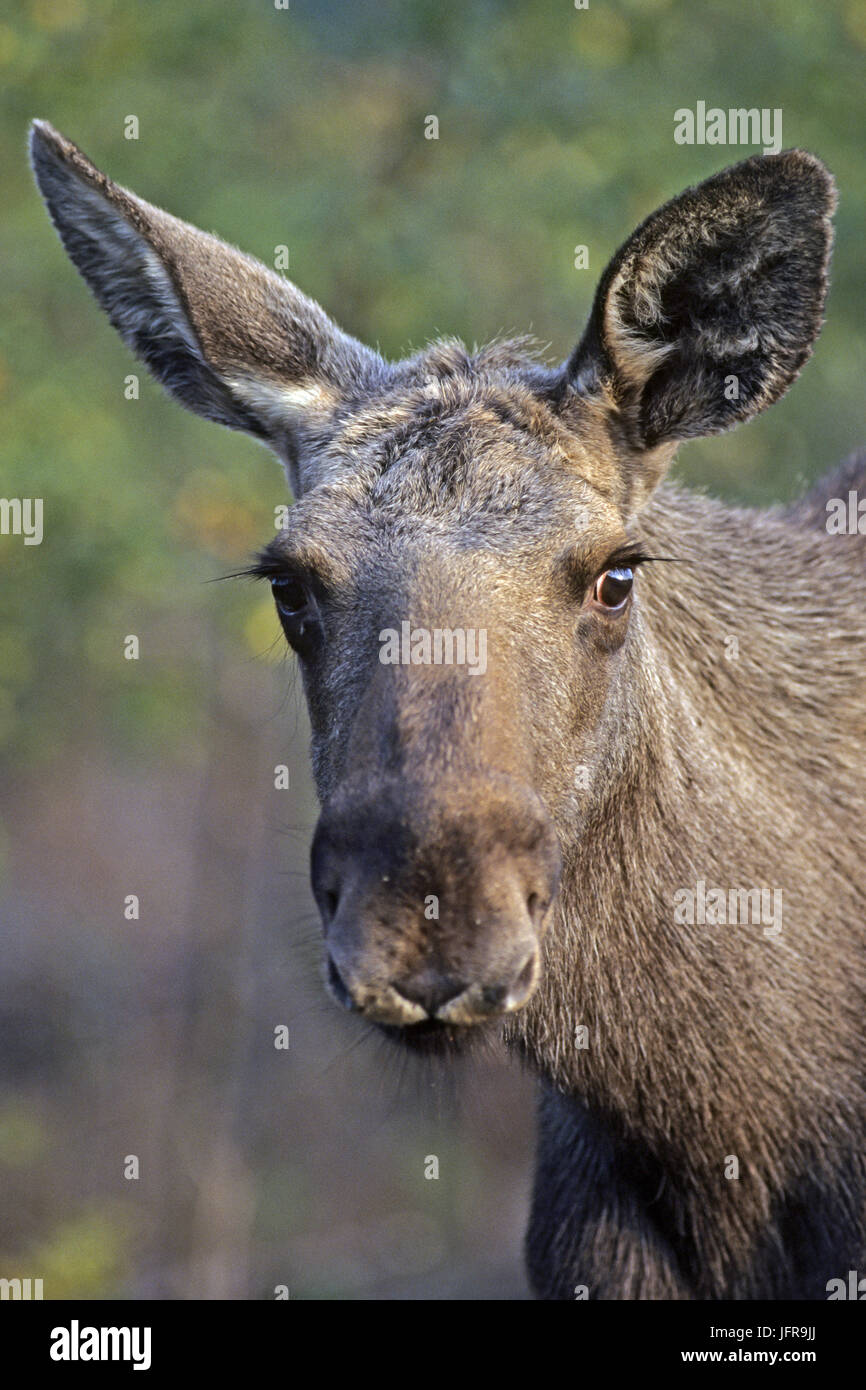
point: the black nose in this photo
(430, 989)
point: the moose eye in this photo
(290, 597)
(298, 613)
(613, 587)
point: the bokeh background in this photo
(302, 127)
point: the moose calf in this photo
(576, 844)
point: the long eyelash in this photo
(631, 556)
(270, 567)
(264, 566)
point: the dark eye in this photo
(290, 597)
(298, 614)
(613, 587)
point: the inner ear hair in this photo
(711, 308)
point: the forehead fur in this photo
(454, 434)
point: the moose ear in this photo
(710, 309)
(229, 338)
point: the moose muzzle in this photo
(434, 900)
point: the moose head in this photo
(459, 576)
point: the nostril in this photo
(430, 994)
(330, 903)
(493, 996)
(523, 983)
(524, 979)
(537, 906)
(338, 988)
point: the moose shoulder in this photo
(632, 838)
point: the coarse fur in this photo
(557, 805)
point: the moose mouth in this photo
(431, 1037)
